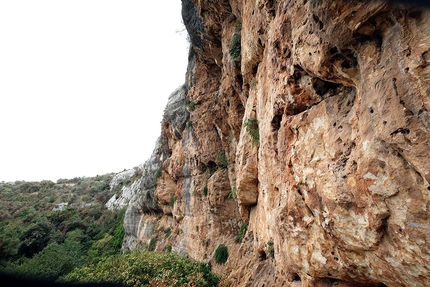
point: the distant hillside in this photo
(48, 228)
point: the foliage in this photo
(167, 234)
(54, 261)
(222, 159)
(251, 126)
(158, 173)
(242, 232)
(34, 238)
(271, 248)
(234, 50)
(190, 105)
(115, 242)
(39, 242)
(152, 244)
(221, 254)
(238, 25)
(168, 248)
(143, 268)
(232, 194)
(205, 191)
(172, 200)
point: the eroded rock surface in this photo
(335, 192)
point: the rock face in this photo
(307, 122)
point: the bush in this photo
(172, 200)
(251, 126)
(158, 173)
(271, 248)
(142, 268)
(152, 244)
(234, 50)
(221, 254)
(54, 261)
(222, 159)
(205, 191)
(242, 232)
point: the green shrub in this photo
(222, 159)
(251, 126)
(191, 106)
(167, 233)
(158, 173)
(232, 194)
(205, 191)
(271, 248)
(168, 248)
(172, 200)
(242, 232)
(152, 244)
(221, 254)
(234, 50)
(142, 268)
(54, 261)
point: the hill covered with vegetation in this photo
(62, 231)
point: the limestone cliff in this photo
(308, 123)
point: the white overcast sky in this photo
(83, 84)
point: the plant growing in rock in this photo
(152, 244)
(251, 126)
(232, 194)
(172, 200)
(234, 50)
(190, 105)
(222, 159)
(221, 254)
(271, 248)
(205, 191)
(242, 232)
(158, 173)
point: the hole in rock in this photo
(276, 122)
(262, 256)
(296, 277)
(333, 50)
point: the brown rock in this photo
(336, 192)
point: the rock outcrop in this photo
(308, 123)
